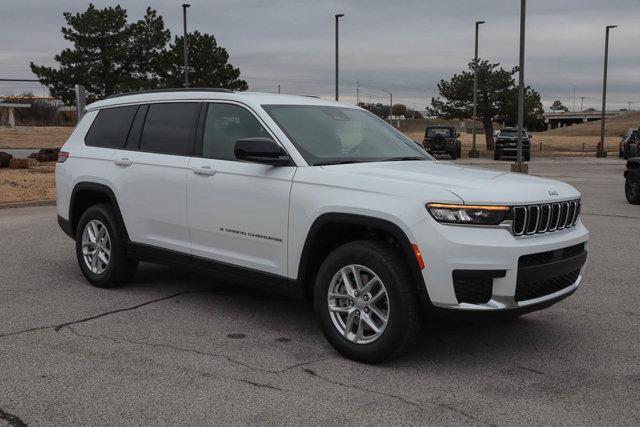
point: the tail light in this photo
(63, 156)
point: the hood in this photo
(472, 185)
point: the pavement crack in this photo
(365, 390)
(60, 326)
(120, 310)
(11, 419)
(463, 413)
(218, 355)
(259, 385)
(535, 371)
(24, 331)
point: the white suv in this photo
(314, 198)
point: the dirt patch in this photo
(22, 185)
(33, 136)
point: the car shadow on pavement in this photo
(440, 343)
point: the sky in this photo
(405, 47)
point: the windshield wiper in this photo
(335, 162)
(401, 159)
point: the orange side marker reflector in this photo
(416, 252)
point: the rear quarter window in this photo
(111, 127)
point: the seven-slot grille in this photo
(535, 219)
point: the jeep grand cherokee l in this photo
(314, 198)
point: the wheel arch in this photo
(86, 194)
(331, 230)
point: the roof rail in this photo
(179, 89)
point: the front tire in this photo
(365, 301)
(101, 249)
(496, 155)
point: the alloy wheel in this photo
(358, 304)
(96, 246)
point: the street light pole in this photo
(390, 103)
(186, 46)
(519, 166)
(601, 152)
(338, 16)
(474, 153)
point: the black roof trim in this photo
(179, 89)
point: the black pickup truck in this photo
(632, 182)
(442, 140)
(507, 144)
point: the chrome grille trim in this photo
(520, 211)
(545, 212)
(534, 219)
(544, 218)
(577, 212)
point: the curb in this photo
(27, 204)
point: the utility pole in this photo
(519, 166)
(338, 16)
(186, 44)
(474, 153)
(390, 103)
(358, 92)
(574, 98)
(582, 103)
(601, 152)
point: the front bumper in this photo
(449, 248)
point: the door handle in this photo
(204, 170)
(123, 162)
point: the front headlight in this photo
(468, 214)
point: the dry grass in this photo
(23, 185)
(33, 136)
(614, 127)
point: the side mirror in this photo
(458, 135)
(261, 150)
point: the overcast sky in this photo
(404, 46)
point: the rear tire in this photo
(367, 258)
(101, 248)
(632, 191)
(454, 155)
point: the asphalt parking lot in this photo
(180, 348)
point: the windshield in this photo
(446, 132)
(511, 133)
(326, 135)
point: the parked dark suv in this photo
(507, 144)
(442, 140)
(632, 183)
(628, 146)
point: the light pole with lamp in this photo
(601, 152)
(338, 16)
(474, 153)
(186, 46)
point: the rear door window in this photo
(111, 127)
(170, 128)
